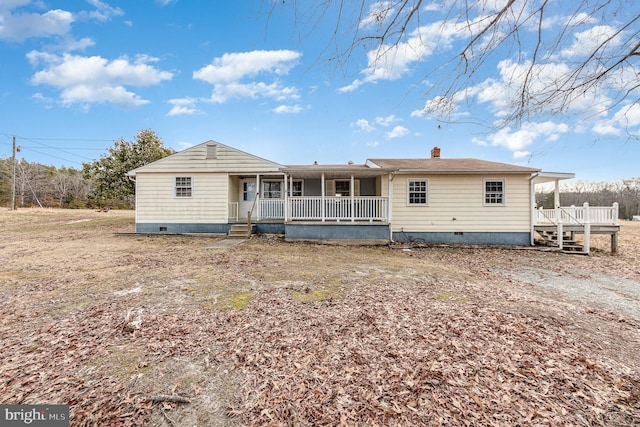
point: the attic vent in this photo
(211, 151)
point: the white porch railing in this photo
(360, 208)
(233, 210)
(271, 209)
(578, 215)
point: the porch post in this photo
(556, 207)
(560, 231)
(389, 205)
(322, 207)
(286, 199)
(614, 235)
(257, 201)
(351, 191)
(532, 193)
(587, 228)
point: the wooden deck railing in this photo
(578, 215)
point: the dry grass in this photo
(302, 334)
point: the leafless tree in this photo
(561, 53)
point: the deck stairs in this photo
(569, 244)
(239, 231)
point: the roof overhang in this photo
(462, 172)
(544, 177)
(334, 171)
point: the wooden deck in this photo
(583, 220)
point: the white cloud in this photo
(589, 41)
(45, 100)
(232, 67)
(378, 14)
(227, 73)
(387, 121)
(72, 44)
(19, 26)
(185, 145)
(623, 121)
(223, 93)
(373, 144)
(518, 140)
(287, 109)
(391, 62)
(103, 12)
(521, 154)
(89, 80)
(363, 125)
(183, 106)
(22, 26)
(397, 132)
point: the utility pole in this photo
(13, 177)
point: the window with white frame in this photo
(271, 189)
(494, 192)
(418, 192)
(183, 186)
(296, 189)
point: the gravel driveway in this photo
(608, 291)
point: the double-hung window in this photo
(296, 188)
(494, 192)
(183, 186)
(271, 190)
(418, 192)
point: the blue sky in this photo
(77, 75)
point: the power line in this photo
(44, 146)
(10, 135)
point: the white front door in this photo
(247, 196)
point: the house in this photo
(214, 188)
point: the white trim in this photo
(263, 192)
(291, 182)
(484, 191)
(426, 198)
(175, 186)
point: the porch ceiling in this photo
(334, 171)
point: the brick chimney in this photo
(435, 153)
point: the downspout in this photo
(534, 216)
(390, 207)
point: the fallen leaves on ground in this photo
(430, 337)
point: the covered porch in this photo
(560, 225)
(328, 193)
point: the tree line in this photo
(102, 183)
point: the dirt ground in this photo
(164, 330)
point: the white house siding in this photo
(456, 204)
(156, 201)
(227, 160)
